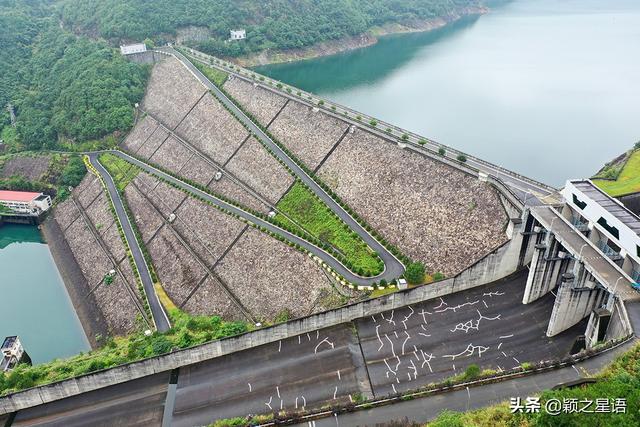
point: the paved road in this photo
(393, 267)
(431, 341)
(136, 403)
(388, 274)
(304, 371)
(157, 310)
(528, 190)
(427, 408)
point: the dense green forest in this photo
(68, 84)
(62, 87)
(280, 24)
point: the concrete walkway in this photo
(158, 313)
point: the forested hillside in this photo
(67, 83)
(62, 87)
(280, 24)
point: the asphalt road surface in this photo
(488, 326)
(157, 310)
(306, 371)
(393, 267)
(135, 403)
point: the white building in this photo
(25, 202)
(12, 353)
(606, 222)
(238, 35)
(130, 49)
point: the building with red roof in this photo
(24, 202)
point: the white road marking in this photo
(424, 318)
(281, 404)
(269, 403)
(373, 317)
(575, 369)
(318, 334)
(249, 384)
(299, 339)
(469, 351)
(517, 361)
(389, 367)
(415, 370)
(393, 386)
(454, 309)
(441, 304)
(315, 350)
(424, 356)
(499, 345)
(279, 346)
(409, 375)
(378, 335)
(504, 354)
(278, 391)
(350, 399)
(505, 336)
(395, 333)
(335, 393)
(492, 294)
(296, 402)
(339, 379)
(391, 342)
(308, 336)
(405, 341)
(424, 335)
(485, 304)
(304, 401)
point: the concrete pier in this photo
(577, 297)
(549, 262)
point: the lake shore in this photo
(369, 38)
(92, 322)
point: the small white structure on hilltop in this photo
(237, 35)
(130, 49)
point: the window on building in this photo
(611, 229)
(579, 203)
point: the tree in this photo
(461, 158)
(415, 273)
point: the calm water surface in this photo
(34, 303)
(549, 88)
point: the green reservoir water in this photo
(34, 301)
(548, 88)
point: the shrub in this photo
(388, 130)
(472, 372)
(321, 102)
(415, 273)
(438, 276)
(299, 93)
(422, 141)
(373, 122)
(358, 117)
(405, 137)
(461, 158)
(279, 85)
(442, 151)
